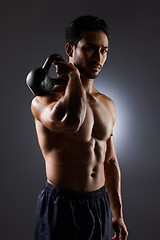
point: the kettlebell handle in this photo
(38, 80)
(50, 60)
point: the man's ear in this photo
(69, 49)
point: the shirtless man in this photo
(74, 125)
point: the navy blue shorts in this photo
(66, 214)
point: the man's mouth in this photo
(95, 65)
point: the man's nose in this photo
(97, 56)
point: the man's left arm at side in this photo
(113, 187)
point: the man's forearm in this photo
(75, 98)
(69, 112)
(113, 186)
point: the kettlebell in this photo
(38, 80)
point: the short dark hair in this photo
(90, 23)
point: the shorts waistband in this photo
(73, 193)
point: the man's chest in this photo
(98, 122)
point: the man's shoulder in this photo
(103, 97)
(107, 99)
(50, 98)
(108, 102)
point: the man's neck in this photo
(87, 84)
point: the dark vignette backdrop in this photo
(30, 32)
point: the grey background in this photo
(30, 32)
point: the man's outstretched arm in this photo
(63, 113)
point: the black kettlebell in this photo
(38, 80)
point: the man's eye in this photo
(104, 50)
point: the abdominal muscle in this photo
(72, 163)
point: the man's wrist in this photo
(115, 218)
(73, 73)
(117, 214)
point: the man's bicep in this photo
(111, 151)
(53, 114)
(41, 108)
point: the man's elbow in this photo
(72, 124)
(66, 125)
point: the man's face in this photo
(91, 53)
